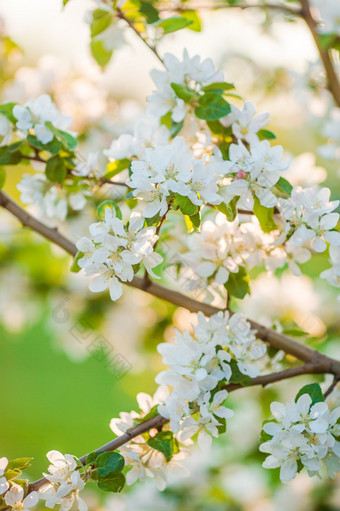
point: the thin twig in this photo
(153, 48)
(267, 6)
(330, 389)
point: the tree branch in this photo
(325, 55)
(214, 7)
(275, 339)
(159, 421)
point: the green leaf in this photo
(152, 413)
(114, 484)
(295, 332)
(12, 473)
(194, 17)
(218, 128)
(68, 140)
(185, 205)
(238, 283)
(56, 169)
(173, 24)
(75, 268)
(230, 209)
(52, 147)
(100, 54)
(9, 158)
(237, 376)
(108, 463)
(13, 147)
(101, 20)
(2, 177)
(222, 428)
(284, 186)
(212, 107)
(91, 458)
(108, 204)
(19, 463)
(266, 135)
(149, 11)
(314, 391)
(164, 443)
(196, 219)
(264, 216)
(115, 167)
(265, 437)
(218, 87)
(65, 2)
(183, 92)
(7, 110)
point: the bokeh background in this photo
(59, 390)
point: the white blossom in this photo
(36, 113)
(244, 123)
(14, 498)
(4, 485)
(304, 433)
(115, 249)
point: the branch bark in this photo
(159, 421)
(332, 79)
(275, 339)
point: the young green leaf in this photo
(115, 483)
(108, 204)
(75, 268)
(108, 463)
(101, 20)
(266, 135)
(314, 391)
(212, 107)
(194, 17)
(238, 283)
(2, 177)
(100, 53)
(183, 91)
(264, 216)
(115, 167)
(164, 443)
(7, 110)
(56, 169)
(173, 24)
(185, 205)
(218, 87)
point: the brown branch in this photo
(272, 337)
(325, 55)
(153, 48)
(158, 421)
(330, 389)
(214, 7)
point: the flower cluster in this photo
(52, 200)
(116, 250)
(303, 435)
(38, 115)
(14, 498)
(219, 348)
(141, 459)
(190, 72)
(255, 171)
(310, 218)
(223, 248)
(245, 124)
(65, 483)
(172, 170)
(147, 133)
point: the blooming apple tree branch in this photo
(205, 177)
